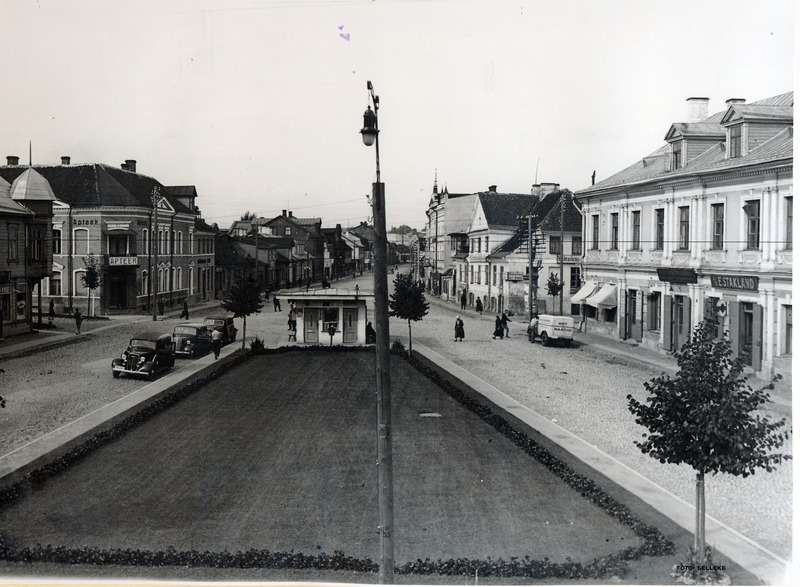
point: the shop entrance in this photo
(350, 327)
(311, 325)
(746, 332)
(118, 292)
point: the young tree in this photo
(90, 279)
(408, 302)
(554, 287)
(706, 417)
(243, 298)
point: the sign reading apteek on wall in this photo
(743, 282)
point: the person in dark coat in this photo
(160, 306)
(479, 306)
(459, 329)
(371, 334)
(276, 303)
(78, 320)
(52, 312)
(498, 328)
(505, 320)
(464, 300)
(185, 312)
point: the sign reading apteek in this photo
(123, 261)
(743, 282)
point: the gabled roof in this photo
(7, 205)
(757, 113)
(705, 130)
(502, 210)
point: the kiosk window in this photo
(330, 317)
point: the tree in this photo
(242, 299)
(706, 417)
(248, 215)
(554, 287)
(90, 279)
(408, 302)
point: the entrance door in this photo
(311, 325)
(350, 329)
(118, 292)
(746, 332)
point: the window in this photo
(555, 245)
(81, 239)
(677, 153)
(787, 329)
(654, 311)
(595, 232)
(478, 242)
(577, 245)
(117, 245)
(13, 246)
(636, 222)
(145, 242)
(479, 271)
(55, 283)
(683, 228)
(615, 230)
(179, 285)
(718, 225)
(37, 243)
(287, 231)
(574, 277)
(789, 224)
(145, 284)
(659, 229)
(472, 274)
(330, 318)
(56, 241)
(736, 141)
(487, 244)
(752, 210)
(494, 274)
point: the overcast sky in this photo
(258, 103)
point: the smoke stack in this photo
(131, 164)
(12, 160)
(493, 188)
(732, 101)
(283, 213)
(64, 160)
(549, 188)
(290, 214)
(124, 166)
(696, 109)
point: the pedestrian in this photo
(185, 312)
(78, 320)
(161, 306)
(533, 328)
(479, 306)
(498, 328)
(52, 312)
(216, 339)
(266, 295)
(371, 334)
(292, 318)
(459, 329)
(505, 320)
(276, 303)
(463, 300)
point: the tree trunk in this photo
(244, 331)
(88, 302)
(409, 338)
(700, 517)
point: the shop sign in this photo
(85, 221)
(514, 276)
(568, 259)
(742, 282)
(126, 261)
(677, 275)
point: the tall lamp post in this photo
(380, 280)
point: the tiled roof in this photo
(7, 205)
(503, 210)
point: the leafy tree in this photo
(242, 299)
(90, 279)
(554, 287)
(248, 215)
(706, 417)
(408, 301)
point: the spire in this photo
(435, 181)
(30, 153)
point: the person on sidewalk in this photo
(185, 311)
(479, 306)
(216, 340)
(505, 320)
(459, 330)
(51, 313)
(498, 328)
(276, 303)
(160, 306)
(371, 334)
(78, 320)
(463, 300)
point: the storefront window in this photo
(654, 311)
(330, 318)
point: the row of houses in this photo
(704, 221)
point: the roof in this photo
(31, 185)
(503, 210)
(655, 166)
(327, 294)
(7, 205)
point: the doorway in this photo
(350, 329)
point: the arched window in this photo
(145, 243)
(191, 280)
(145, 284)
(180, 243)
(81, 236)
(179, 285)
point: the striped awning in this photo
(584, 292)
(605, 298)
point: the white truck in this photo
(551, 328)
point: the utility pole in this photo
(154, 243)
(561, 256)
(533, 267)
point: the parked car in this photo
(226, 324)
(551, 328)
(191, 340)
(148, 354)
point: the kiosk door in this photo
(311, 325)
(350, 325)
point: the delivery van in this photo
(551, 328)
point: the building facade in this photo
(708, 217)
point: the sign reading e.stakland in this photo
(743, 282)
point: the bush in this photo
(398, 347)
(257, 346)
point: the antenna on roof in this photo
(536, 177)
(30, 153)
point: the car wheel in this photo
(115, 374)
(545, 339)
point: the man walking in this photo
(78, 320)
(505, 320)
(276, 303)
(216, 340)
(463, 300)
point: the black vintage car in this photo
(224, 323)
(148, 354)
(192, 340)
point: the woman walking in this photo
(78, 320)
(459, 329)
(498, 328)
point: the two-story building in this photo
(707, 216)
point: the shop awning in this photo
(584, 292)
(605, 298)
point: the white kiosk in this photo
(320, 312)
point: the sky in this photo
(259, 103)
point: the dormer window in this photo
(677, 155)
(735, 141)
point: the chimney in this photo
(64, 160)
(124, 166)
(536, 190)
(696, 109)
(732, 101)
(283, 213)
(12, 160)
(493, 188)
(131, 163)
(549, 188)
(290, 214)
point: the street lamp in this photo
(369, 134)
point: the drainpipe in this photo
(70, 261)
(172, 257)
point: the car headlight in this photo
(142, 360)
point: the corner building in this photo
(707, 216)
